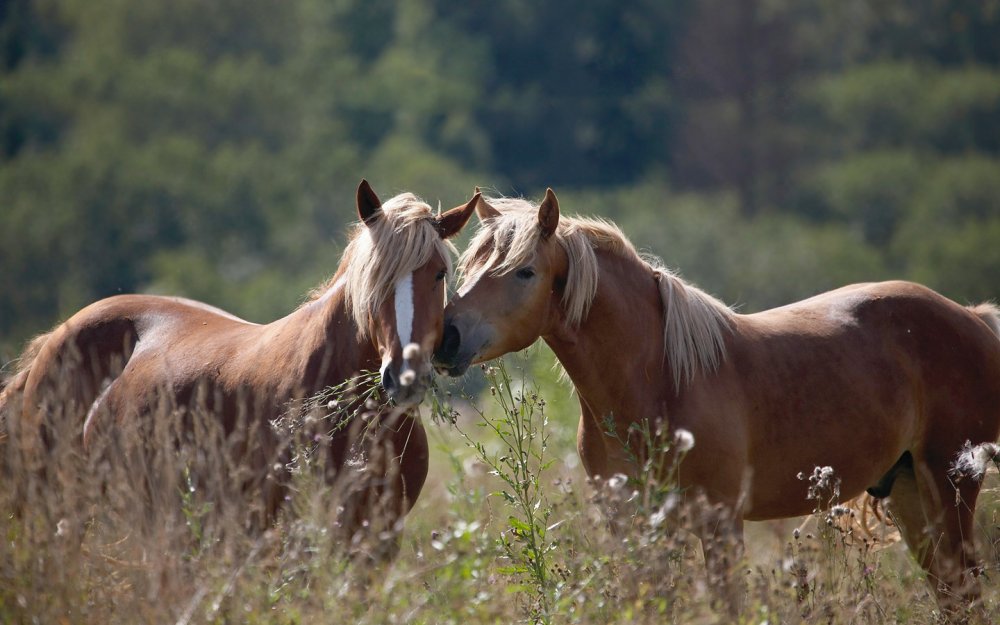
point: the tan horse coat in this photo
(882, 382)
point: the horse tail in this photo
(990, 314)
(12, 389)
(12, 399)
(62, 373)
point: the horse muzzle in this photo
(459, 348)
(407, 387)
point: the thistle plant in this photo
(306, 426)
(520, 428)
(657, 458)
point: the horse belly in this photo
(856, 425)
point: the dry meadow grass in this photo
(146, 529)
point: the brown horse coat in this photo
(883, 382)
(117, 360)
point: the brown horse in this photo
(117, 360)
(882, 382)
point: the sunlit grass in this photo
(155, 533)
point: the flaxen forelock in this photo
(382, 253)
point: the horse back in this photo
(883, 344)
(852, 379)
(66, 370)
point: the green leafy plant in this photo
(520, 427)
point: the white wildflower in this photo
(684, 441)
(411, 351)
(823, 483)
(973, 461)
(838, 511)
(658, 517)
(616, 481)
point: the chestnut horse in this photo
(117, 359)
(882, 382)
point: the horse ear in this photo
(483, 209)
(450, 223)
(548, 214)
(369, 206)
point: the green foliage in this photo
(948, 240)
(769, 151)
(520, 428)
(871, 190)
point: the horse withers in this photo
(884, 383)
(121, 360)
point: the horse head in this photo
(515, 274)
(396, 285)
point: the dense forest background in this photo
(769, 149)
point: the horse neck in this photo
(325, 339)
(615, 356)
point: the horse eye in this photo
(525, 273)
(440, 276)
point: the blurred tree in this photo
(174, 122)
(736, 72)
(573, 96)
(949, 239)
(769, 148)
(28, 35)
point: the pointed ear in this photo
(369, 206)
(548, 214)
(483, 209)
(449, 224)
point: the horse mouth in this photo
(454, 367)
(455, 362)
(462, 345)
(410, 395)
(456, 371)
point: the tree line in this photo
(770, 149)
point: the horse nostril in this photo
(450, 341)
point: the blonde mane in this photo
(380, 254)
(694, 322)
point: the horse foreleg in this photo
(721, 532)
(383, 464)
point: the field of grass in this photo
(507, 530)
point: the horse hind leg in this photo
(935, 518)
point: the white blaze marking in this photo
(404, 329)
(385, 365)
(404, 309)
